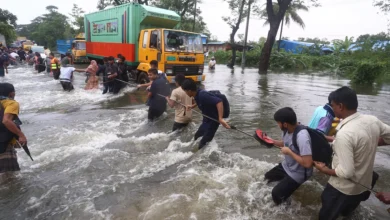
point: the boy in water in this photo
(159, 87)
(296, 167)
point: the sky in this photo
(335, 19)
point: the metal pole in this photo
(193, 26)
(246, 35)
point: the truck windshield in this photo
(182, 42)
(80, 46)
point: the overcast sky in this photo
(334, 20)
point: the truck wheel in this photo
(143, 78)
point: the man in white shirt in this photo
(182, 116)
(212, 63)
(66, 75)
(354, 149)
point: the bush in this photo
(367, 72)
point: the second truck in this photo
(142, 33)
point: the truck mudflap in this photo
(196, 78)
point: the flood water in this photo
(97, 157)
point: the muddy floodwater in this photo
(97, 157)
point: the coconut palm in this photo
(291, 15)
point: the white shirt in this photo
(14, 55)
(212, 63)
(354, 152)
(66, 73)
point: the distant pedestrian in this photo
(93, 81)
(55, 66)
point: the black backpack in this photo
(226, 105)
(320, 147)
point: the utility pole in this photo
(193, 26)
(246, 34)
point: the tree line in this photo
(45, 29)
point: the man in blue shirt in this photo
(322, 118)
(211, 106)
(158, 91)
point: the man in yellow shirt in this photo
(9, 111)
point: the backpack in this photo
(226, 105)
(320, 147)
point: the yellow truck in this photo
(76, 47)
(143, 33)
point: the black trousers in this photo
(335, 203)
(177, 126)
(285, 188)
(206, 131)
(56, 74)
(154, 113)
(67, 86)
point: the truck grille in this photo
(187, 59)
(186, 70)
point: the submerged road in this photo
(97, 157)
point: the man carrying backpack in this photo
(296, 167)
(212, 106)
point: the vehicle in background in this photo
(143, 33)
(40, 50)
(27, 45)
(74, 46)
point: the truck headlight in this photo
(169, 71)
(200, 71)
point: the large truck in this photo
(74, 46)
(143, 33)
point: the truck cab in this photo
(177, 52)
(79, 52)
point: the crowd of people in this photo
(354, 140)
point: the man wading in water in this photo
(9, 111)
(182, 116)
(296, 167)
(211, 106)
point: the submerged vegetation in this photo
(363, 66)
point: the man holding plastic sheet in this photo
(354, 148)
(211, 106)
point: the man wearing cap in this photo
(9, 111)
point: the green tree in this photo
(102, 4)
(46, 29)
(343, 45)
(384, 5)
(290, 15)
(234, 20)
(274, 19)
(8, 25)
(78, 18)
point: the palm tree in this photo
(291, 15)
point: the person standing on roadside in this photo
(182, 116)
(354, 149)
(211, 106)
(10, 133)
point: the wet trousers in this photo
(206, 131)
(285, 188)
(335, 203)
